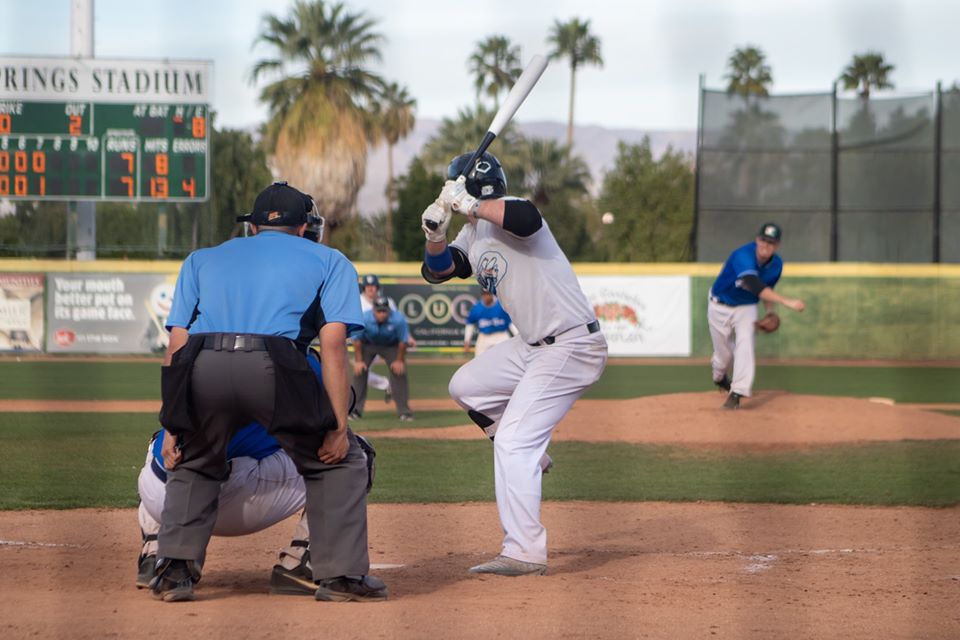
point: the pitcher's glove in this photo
(768, 323)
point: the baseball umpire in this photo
(243, 315)
(747, 277)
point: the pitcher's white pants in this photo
(257, 495)
(732, 331)
(527, 390)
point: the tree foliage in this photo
(867, 71)
(652, 203)
(319, 126)
(495, 65)
(573, 40)
(748, 73)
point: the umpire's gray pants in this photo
(398, 384)
(230, 390)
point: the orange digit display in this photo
(162, 164)
(4, 185)
(4, 161)
(20, 161)
(127, 180)
(159, 188)
(189, 187)
(129, 158)
(76, 122)
(4, 123)
(43, 186)
(199, 127)
(20, 185)
(39, 161)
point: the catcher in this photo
(748, 277)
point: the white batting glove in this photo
(454, 196)
(439, 217)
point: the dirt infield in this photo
(617, 570)
(649, 570)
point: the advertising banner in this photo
(108, 312)
(436, 313)
(642, 315)
(21, 311)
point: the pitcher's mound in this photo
(773, 418)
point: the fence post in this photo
(937, 170)
(696, 173)
(834, 177)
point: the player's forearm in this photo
(333, 346)
(357, 351)
(178, 338)
(769, 296)
(401, 351)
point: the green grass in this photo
(79, 380)
(67, 460)
(384, 420)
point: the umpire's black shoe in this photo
(174, 580)
(723, 383)
(146, 570)
(347, 589)
(733, 401)
(293, 582)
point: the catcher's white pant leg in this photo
(538, 385)
(744, 362)
(257, 494)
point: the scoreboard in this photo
(83, 150)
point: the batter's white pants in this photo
(527, 390)
(487, 340)
(257, 495)
(732, 331)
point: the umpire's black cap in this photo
(381, 304)
(770, 232)
(280, 205)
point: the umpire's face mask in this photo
(315, 226)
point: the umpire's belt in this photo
(579, 330)
(234, 342)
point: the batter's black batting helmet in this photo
(485, 180)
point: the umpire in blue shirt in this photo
(385, 333)
(243, 315)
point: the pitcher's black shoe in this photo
(346, 589)
(733, 401)
(723, 383)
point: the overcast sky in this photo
(653, 50)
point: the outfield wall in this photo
(856, 311)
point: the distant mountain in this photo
(596, 145)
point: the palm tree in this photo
(460, 135)
(394, 119)
(866, 71)
(495, 65)
(748, 73)
(573, 40)
(318, 128)
(549, 171)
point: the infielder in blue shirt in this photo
(385, 333)
(747, 277)
(491, 321)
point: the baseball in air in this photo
(607, 218)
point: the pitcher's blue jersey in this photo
(743, 262)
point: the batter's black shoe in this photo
(146, 570)
(174, 581)
(387, 396)
(723, 383)
(293, 582)
(733, 401)
(347, 589)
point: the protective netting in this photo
(772, 159)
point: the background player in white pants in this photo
(490, 322)
(369, 290)
(747, 277)
(522, 387)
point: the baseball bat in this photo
(518, 93)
